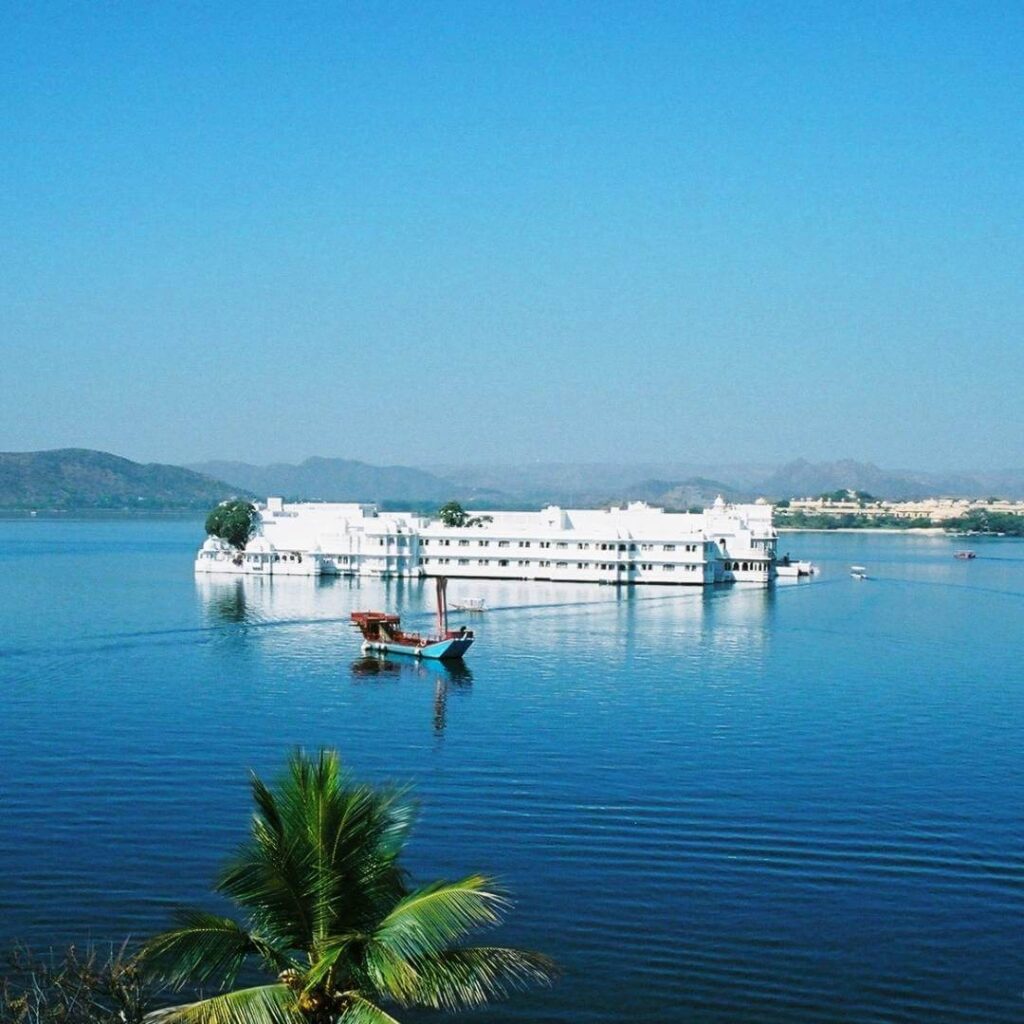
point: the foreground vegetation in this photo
(330, 916)
(75, 987)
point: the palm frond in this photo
(361, 1011)
(267, 1004)
(436, 916)
(322, 854)
(460, 979)
(330, 954)
(204, 948)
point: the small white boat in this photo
(859, 572)
(470, 604)
(787, 568)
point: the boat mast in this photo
(442, 605)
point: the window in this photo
(502, 543)
(561, 544)
(502, 561)
(463, 561)
(668, 568)
(485, 543)
(668, 547)
(483, 561)
(425, 541)
(561, 565)
(463, 543)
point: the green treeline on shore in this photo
(846, 521)
(978, 521)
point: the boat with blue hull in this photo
(383, 633)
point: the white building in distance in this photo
(635, 544)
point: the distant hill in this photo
(320, 479)
(80, 478)
(802, 479)
(696, 492)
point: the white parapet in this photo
(635, 544)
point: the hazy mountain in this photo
(321, 479)
(697, 492)
(802, 478)
(576, 483)
(79, 478)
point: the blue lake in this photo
(796, 804)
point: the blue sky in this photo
(514, 232)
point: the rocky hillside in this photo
(79, 478)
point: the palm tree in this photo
(332, 917)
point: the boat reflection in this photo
(454, 676)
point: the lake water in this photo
(796, 804)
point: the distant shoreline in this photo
(101, 513)
(929, 531)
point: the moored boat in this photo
(383, 633)
(859, 572)
(964, 554)
(788, 568)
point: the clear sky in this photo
(514, 231)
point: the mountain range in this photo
(672, 484)
(319, 479)
(78, 478)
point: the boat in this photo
(383, 633)
(859, 572)
(964, 554)
(787, 568)
(470, 604)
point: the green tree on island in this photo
(453, 514)
(332, 917)
(233, 521)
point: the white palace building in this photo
(635, 544)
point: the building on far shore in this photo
(935, 510)
(637, 544)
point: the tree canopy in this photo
(332, 918)
(453, 514)
(233, 521)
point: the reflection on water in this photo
(226, 602)
(446, 675)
